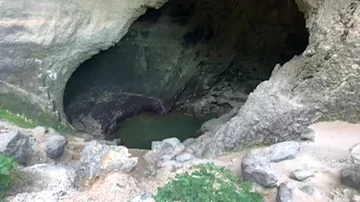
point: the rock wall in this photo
(43, 42)
(178, 52)
(320, 85)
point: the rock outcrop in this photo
(42, 43)
(319, 85)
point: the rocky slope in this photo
(311, 169)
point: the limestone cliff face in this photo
(177, 52)
(43, 42)
(321, 84)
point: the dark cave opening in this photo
(180, 53)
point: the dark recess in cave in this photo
(179, 51)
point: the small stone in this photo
(355, 198)
(284, 193)
(55, 146)
(308, 189)
(188, 141)
(15, 145)
(144, 197)
(351, 177)
(301, 174)
(355, 66)
(308, 134)
(167, 157)
(355, 154)
(181, 158)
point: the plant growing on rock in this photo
(8, 173)
(207, 183)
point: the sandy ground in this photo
(326, 157)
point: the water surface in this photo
(139, 131)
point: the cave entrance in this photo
(193, 56)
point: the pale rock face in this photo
(319, 85)
(43, 42)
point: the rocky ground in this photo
(322, 166)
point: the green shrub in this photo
(207, 183)
(8, 173)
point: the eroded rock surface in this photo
(99, 158)
(318, 85)
(43, 42)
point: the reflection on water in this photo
(139, 131)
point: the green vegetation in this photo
(207, 183)
(17, 119)
(8, 173)
(23, 122)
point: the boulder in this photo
(15, 145)
(308, 134)
(144, 197)
(181, 158)
(301, 174)
(55, 146)
(284, 193)
(255, 164)
(99, 158)
(274, 153)
(355, 154)
(261, 175)
(351, 177)
(167, 145)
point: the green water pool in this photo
(139, 131)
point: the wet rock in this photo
(144, 197)
(260, 175)
(301, 174)
(97, 159)
(167, 145)
(355, 154)
(15, 145)
(55, 146)
(351, 177)
(284, 194)
(308, 134)
(181, 158)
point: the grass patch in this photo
(17, 119)
(23, 122)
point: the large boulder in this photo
(255, 164)
(351, 177)
(15, 145)
(99, 158)
(55, 146)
